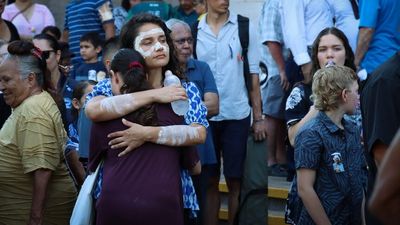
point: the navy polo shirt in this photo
(340, 193)
(200, 74)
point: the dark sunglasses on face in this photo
(182, 41)
(46, 54)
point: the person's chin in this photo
(161, 61)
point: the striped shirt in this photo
(82, 17)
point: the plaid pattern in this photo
(271, 30)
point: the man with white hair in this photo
(199, 73)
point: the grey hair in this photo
(171, 23)
(27, 65)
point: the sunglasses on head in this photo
(46, 54)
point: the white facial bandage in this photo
(177, 134)
(119, 104)
(156, 47)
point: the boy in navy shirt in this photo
(91, 68)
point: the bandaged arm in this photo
(102, 108)
(177, 135)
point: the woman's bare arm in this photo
(292, 130)
(173, 135)
(41, 178)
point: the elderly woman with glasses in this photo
(35, 187)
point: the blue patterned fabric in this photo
(196, 114)
(340, 191)
(189, 194)
(73, 139)
(99, 181)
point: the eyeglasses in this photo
(46, 54)
(182, 41)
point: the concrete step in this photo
(278, 189)
(274, 217)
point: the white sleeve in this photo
(254, 50)
(294, 30)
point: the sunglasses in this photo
(46, 54)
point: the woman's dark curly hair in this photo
(131, 66)
(130, 31)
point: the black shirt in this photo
(380, 103)
(5, 111)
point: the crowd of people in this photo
(93, 95)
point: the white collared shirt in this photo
(302, 20)
(345, 20)
(223, 55)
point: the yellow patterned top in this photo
(33, 137)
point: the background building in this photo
(249, 8)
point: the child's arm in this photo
(305, 185)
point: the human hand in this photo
(105, 12)
(284, 81)
(259, 130)
(65, 69)
(131, 138)
(169, 94)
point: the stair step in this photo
(274, 217)
(278, 187)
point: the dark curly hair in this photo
(130, 31)
(131, 66)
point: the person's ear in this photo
(108, 64)
(76, 104)
(114, 76)
(98, 49)
(31, 78)
(344, 95)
